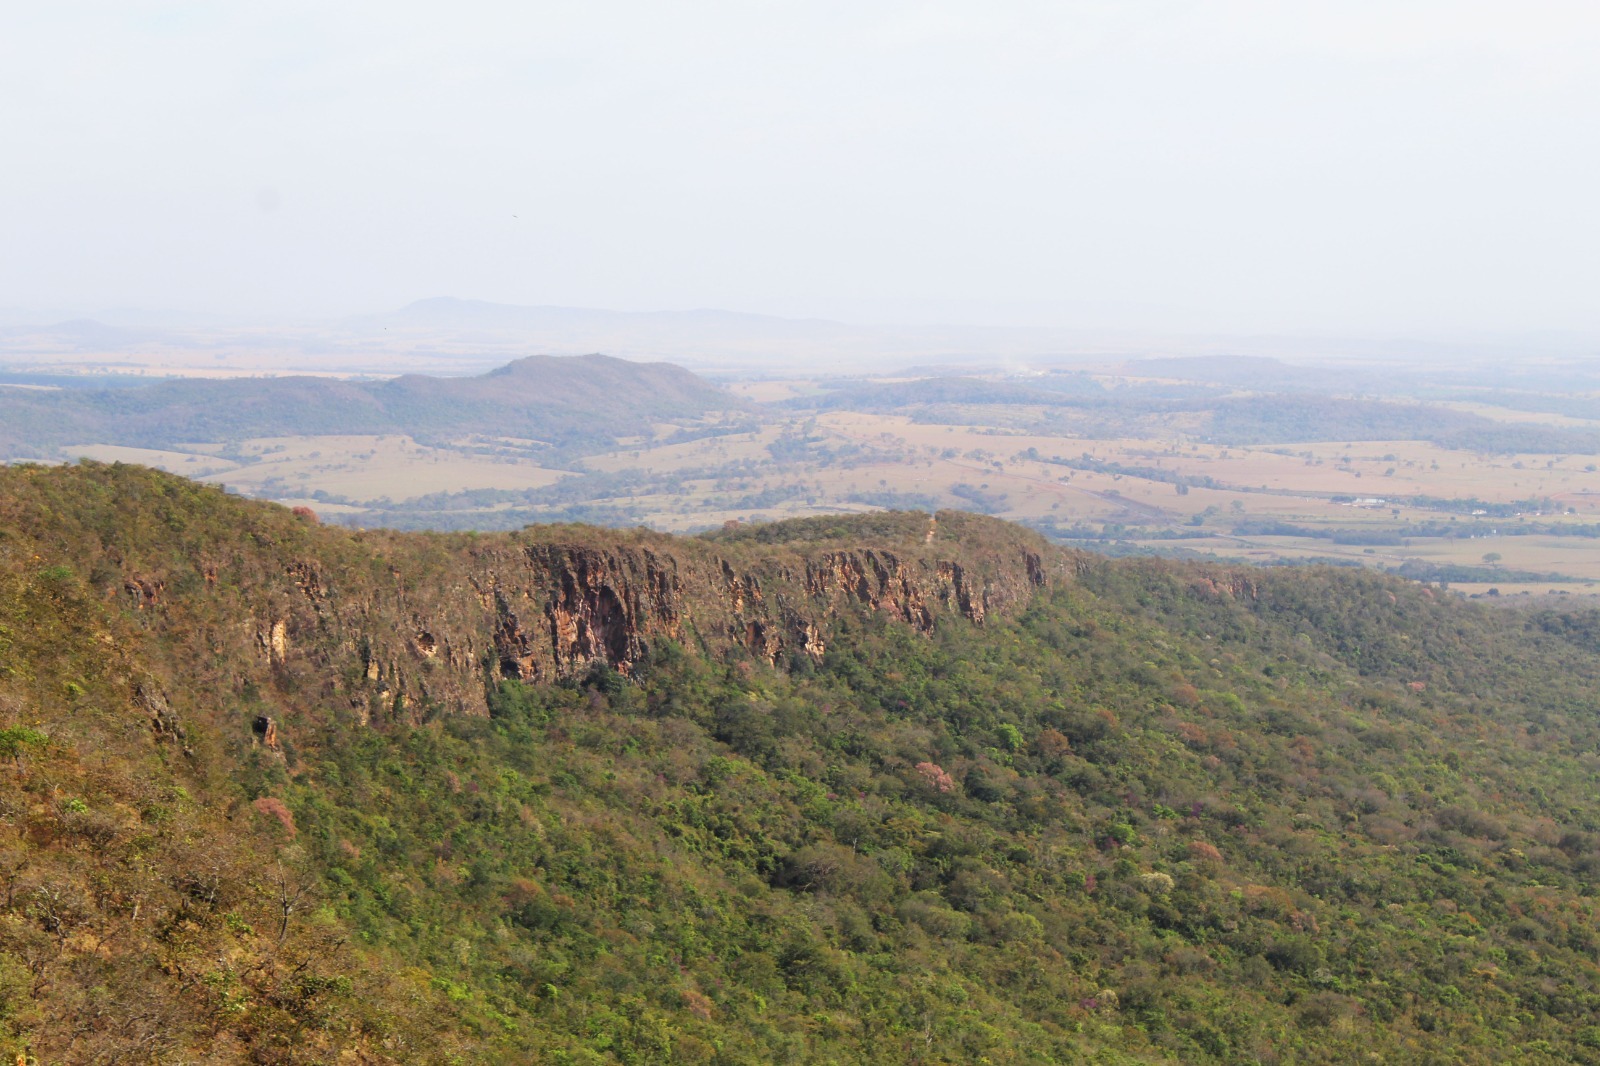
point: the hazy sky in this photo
(1424, 167)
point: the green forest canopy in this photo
(1164, 814)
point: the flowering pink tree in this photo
(935, 776)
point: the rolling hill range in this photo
(579, 401)
(890, 788)
(1280, 410)
(1139, 459)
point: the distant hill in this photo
(1249, 371)
(575, 402)
(1290, 417)
(708, 337)
(942, 390)
(82, 334)
(451, 313)
(1285, 405)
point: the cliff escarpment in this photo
(411, 626)
(882, 788)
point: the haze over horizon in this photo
(1418, 169)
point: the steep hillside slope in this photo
(883, 789)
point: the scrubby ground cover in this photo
(1170, 813)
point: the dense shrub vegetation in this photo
(1167, 814)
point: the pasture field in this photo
(364, 468)
(1509, 414)
(855, 461)
(1471, 513)
(195, 465)
(358, 468)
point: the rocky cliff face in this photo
(532, 607)
(408, 627)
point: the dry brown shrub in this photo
(273, 807)
(1053, 744)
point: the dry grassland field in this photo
(364, 468)
(1143, 465)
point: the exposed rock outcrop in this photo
(143, 592)
(412, 629)
(265, 729)
(1224, 585)
(272, 638)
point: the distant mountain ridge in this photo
(450, 311)
(720, 338)
(85, 334)
(576, 400)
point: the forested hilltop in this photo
(579, 402)
(892, 788)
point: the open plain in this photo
(1456, 478)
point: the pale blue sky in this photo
(1413, 167)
